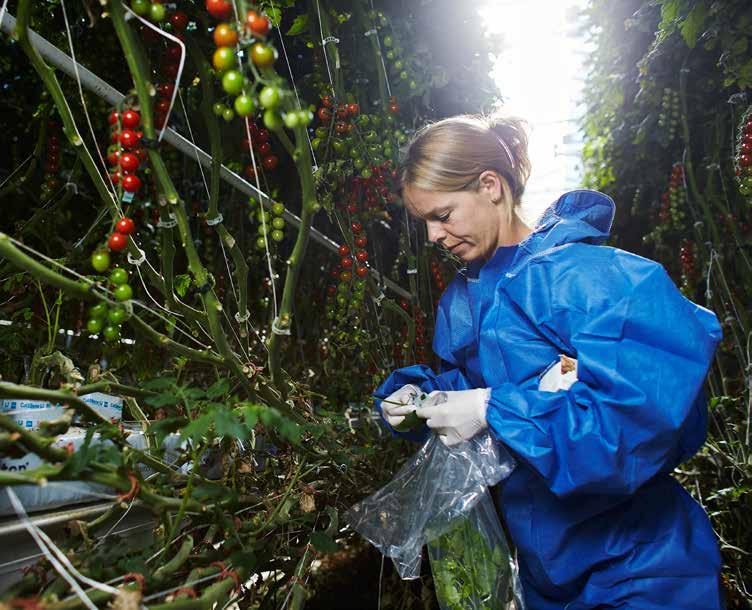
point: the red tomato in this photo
(114, 116)
(346, 262)
(128, 138)
(129, 162)
(166, 89)
(265, 148)
(361, 271)
(362, 256)
(257, 24)
(262, 135)
(117, 242)
(219, 9)
(344, 250)
(125, 226)
(131, 183)
(113, 157)
(270, 162)
(361, 241)
(179, 21)
(131, 119)
(356, 227)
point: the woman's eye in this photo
(445, 217)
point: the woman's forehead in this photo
(422, 202)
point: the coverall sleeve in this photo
(450, 378)
(643, 353)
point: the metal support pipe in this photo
(99, 87)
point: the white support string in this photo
(113, 192)
(294, 88)
(24, 162)
(53, 558)
(181, 65)
(375, 33)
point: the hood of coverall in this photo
(577, 216)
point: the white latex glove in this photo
(399, 403)
(460, 417)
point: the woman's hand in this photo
(460, 417)
(399, 403)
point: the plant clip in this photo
(132, 492)
(370, 32)
(214, 221)
(244, 318)
(134, 577)
(168, 224)
(277, 330)
(27, 603)
(328, 39)
(152, 143)
(226, 572)
(139, 260)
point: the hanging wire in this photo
(113, 192)
(181, 65)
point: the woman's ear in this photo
(489, 182)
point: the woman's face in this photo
(467, 223)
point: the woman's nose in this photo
(435, 232)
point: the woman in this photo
(597, 519)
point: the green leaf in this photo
(162, 400)
(160, 383)
(198, 429)
(182, 283)
(219, 389)
(227, 424)
(323, 543)
(298, 26)
(693, 24)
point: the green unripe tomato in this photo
(278, 223)
(305, 117)
(291, 119)
(277, 235)
(244, 105)
(100, 260)
(321, 132)
(157, 12)
(413, 85)
(223, 59)
(316, 143)
(269, 97)
(376, 120)
(360, 284)
(272, 120)
(388, 151)
(94, 325)
(363, 120)
(278, 208)
(260, 243)
(359, 163)
(366, 172)
(228, 114)
(117, 316)
(252, 203)
(111, 333)
(232, 82)
(338, 146)
(123, 292)
(389, 55)
(119, 276)
(98, 311)
(140, 7)
(388, 41)
(399, 64)
(404, 75)
(263, 216)
(263, 229)
(218, 108)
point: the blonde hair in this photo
(451, 154)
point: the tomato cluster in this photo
(668, 117)
(51, 178)
(438, 280)
(262, 147)
(675, 198)
(125, 152)
(270, 224)
(688, 259)
(743, 158)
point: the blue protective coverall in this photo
(597, 519)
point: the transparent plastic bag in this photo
(471, 563)
(437, 491)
